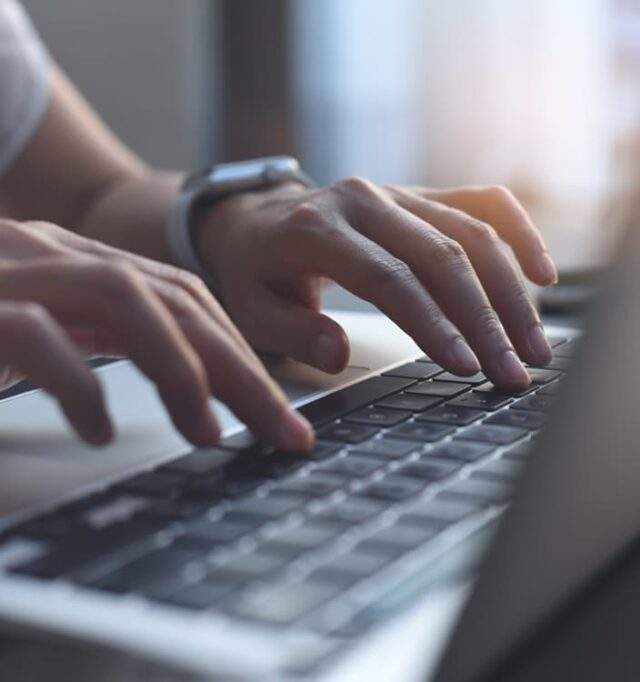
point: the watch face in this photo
(242, 175)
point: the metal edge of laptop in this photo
(236, 643)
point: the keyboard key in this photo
(349, 568)
(405, 401)
(281, 603)
(174, 510)
(309, 535)
(386, 448)
(429, 469)
(423, 432)
(561, 364)
(376, 416)
(438, 513)
(153, 484)
(347, 433)
(81, 549)
(475, 379)
(492, 390)
(322, 450)
(48, 527)
(348, 399)
(500, 469)
(353, 510)
(498, 435)
(451, 414)
(314, 485)
(474, 489)
(519, 452)
(395, 540)
(353, 465)
(243, 568)
(542, 376)
(535, 403)
(213, 533)
(262, 509)
(459, 450)
(199, 462)
(481, 401)
(198, 597)
(160, 565)
(209, 488)
(441, 389)
(550, 389)
(415, 370)
(519, 418)
(394, 488)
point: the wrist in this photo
(217, 186)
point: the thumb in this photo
(290, 329)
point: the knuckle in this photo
(25, 322)
(480, 232)
(116, 279)
(499, 193)
(181, 302)
(356, 186)
(305, 214)
(449, 252)
(31, 316)
(392, 273)
(521, 298)
(486, 323)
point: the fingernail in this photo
(295, 432)
(513, 371)
(324, 352)
(539, 345)
(547, 268)
(463, 357)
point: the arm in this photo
(433, 261)
(76, 173)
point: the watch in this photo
(206, 187)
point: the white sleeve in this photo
(24, 76)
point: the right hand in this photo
(63, 297)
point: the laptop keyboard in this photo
(401, 461)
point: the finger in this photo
(443, 267)
(333, 249)
(36, 346)
(498, 207)
(85, 292)
(284, 328)
(244, 385)
(497, 272)
(188, 282)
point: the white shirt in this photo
(24, 69)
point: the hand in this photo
(62, 296)
(433, 261)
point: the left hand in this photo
(432, 260)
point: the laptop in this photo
(437, 524)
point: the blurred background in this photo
(539, 95)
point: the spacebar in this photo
(351, 398)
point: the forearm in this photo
(131, 213)
(76, 173)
